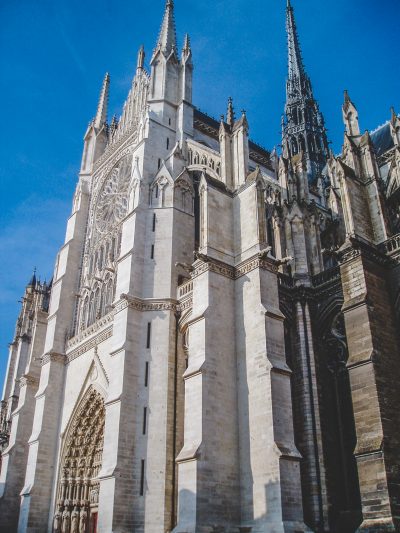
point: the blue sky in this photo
(53, 56)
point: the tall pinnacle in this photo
(101, 115)
(296, 66)
(167, 38)
(140, 58)
(230, 114)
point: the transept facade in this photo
(218, 349)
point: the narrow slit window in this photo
(154, 222)
(144, 420)
(167, 143)
(142, 478)
(159, 163)
(148, 335)
(152, 251)
(146, 374)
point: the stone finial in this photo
(140, 58)
(230, 114)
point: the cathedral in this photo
(218, 349)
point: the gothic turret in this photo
(164, 63)
(303, 125)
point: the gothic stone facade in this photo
(218, 349)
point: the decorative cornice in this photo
(91, 330)
(185, 304)
(165, 304)
(255, 262)
(52, 357)
(357, 248)
(28, 380)
(92, 343)
(206, 263)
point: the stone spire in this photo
(296, 66)
(167, 38)
(101, 115)
(303, 127)
(230, 113)
(140, 58)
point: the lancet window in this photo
(78, 486)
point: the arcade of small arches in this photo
(302, 143)
(195, 158)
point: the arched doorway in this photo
(78, 485)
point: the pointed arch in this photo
(81, 459)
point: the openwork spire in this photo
(167, 38)
(296, 66)
(303, 126)
(101, 115)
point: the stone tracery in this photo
(78, 488)
(103, 244)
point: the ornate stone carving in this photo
(112, 201)
(104, 335)
(91, 330)
(80, 465)
(52, 356)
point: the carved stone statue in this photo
(57, 521)
(83, 520)
(66, 522)
(75, 520)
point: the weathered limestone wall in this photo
(374, 375)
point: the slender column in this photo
(309, 426)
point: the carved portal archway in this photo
(78, 486)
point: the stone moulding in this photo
(91, 330)
(357, 248)
(208, 264)
(92, 343)
(131, 132)
(165, 304)
(53, 357)
(28, 380)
